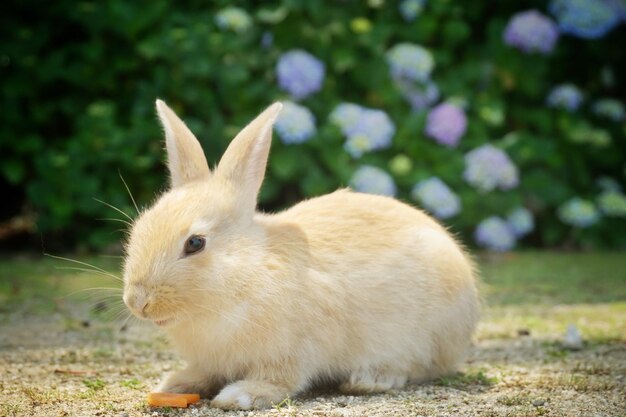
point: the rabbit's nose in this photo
(137, 301)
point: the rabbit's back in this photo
(399, 286)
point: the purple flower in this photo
(365, 129)
(521, 222)
(587, 19)
(446, 124)
(531, 31)
(494, 234)
(295, 124)
(411, 62)
(565, 96)
(578, 213)
(300, 73)
(437, 198)
(373, 180)
(488, 168)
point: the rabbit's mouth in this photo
(162, 323)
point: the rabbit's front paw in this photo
(248, 395)
(187, 381)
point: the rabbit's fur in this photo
(348, 287)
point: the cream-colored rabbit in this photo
(347, 287)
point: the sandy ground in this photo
(68, 363)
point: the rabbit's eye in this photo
(194, 244)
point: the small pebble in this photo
(572, 339)
(539, 402)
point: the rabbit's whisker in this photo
(113, 219)
(94, 268)
(129, 193)
(95, 271)
(123, 213)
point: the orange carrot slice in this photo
(168, 399)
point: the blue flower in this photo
(267, 40)
(587, 19)
(531, 31)
(411, 62)
(565, 96)
(373, 180)
(619, 7)
(446, 123)
(300, 73)
(521, 222)
(365, 129)
(233, 18)
(295, 124)
(419, 95)
(578, 212)
(488, 167)
(345, 115)
(437, 198)
(609, 108)
(410, 9)
(612, 203)
(494, 234)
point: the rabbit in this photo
(358, 289)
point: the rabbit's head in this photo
(183, 253)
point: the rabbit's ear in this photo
(243, 163)
(185, 158)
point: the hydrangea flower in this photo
(530, 32)
(295, 124)
(521, 222)
(267, 40)
(609, 108)
(488, 167)
(233, 18)
(373, 180)
(436, 197)
(494, 234)
(585, 19)
(608, 184)
(410, 9)
(300, 73)
(578, 212)
(612, 203)
(446, 123)
(411, 62)
(565, 96)
(619, 7)
(420, 96)
(365, 129)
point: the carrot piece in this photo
(168, 399)
(192, 398)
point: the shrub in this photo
(80, 80)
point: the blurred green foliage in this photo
(79, 80)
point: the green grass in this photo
(463, 380)
(39, 282)
(554, 278)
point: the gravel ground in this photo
(70, 363)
